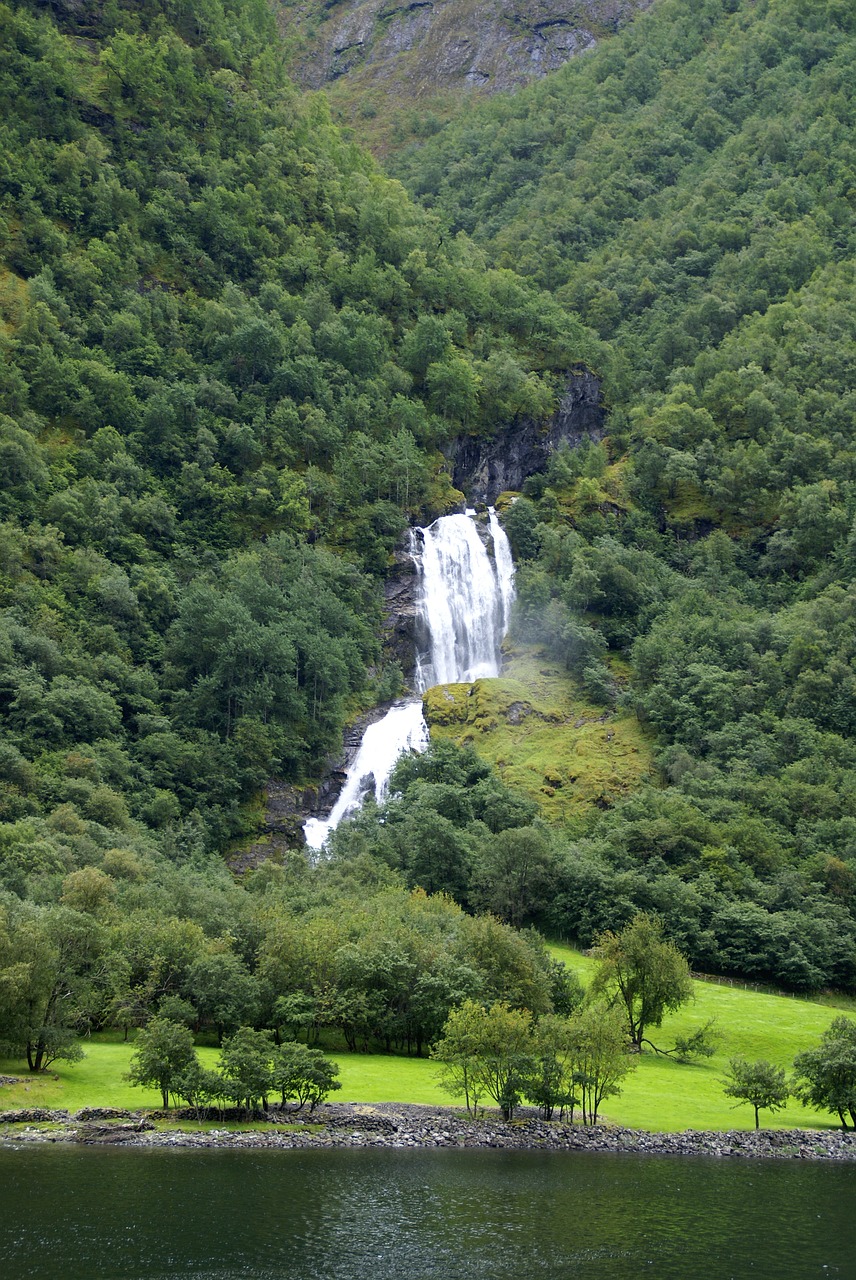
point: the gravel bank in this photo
(411, 1127)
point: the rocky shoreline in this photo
(410, 1127)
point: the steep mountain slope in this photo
(690, 187)
(232, 353)
(396, 70)
(231, 349)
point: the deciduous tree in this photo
(163, 1055)
(643, 973)
(825, 1076)
(761, 1084)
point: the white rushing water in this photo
(465, 598)
(403, 728)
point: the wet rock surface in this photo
(400, 612)
(399, 1126)
(483, 469)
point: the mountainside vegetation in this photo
(689, 189)
(232, 351)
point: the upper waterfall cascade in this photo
(465, 598)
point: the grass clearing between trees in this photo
(661, 1095)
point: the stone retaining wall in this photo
(410, 1127)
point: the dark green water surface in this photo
(372, 1215)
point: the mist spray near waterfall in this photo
(465, 598)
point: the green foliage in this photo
(825, 1077)
(163, 1055)
(303, 1074)
(558, 1062)
(487, 1053)
(47, 958)
(230, 351)
(761, 1084)
(687, 190)
(642, 974)
(247, 1069)
(598, 1039)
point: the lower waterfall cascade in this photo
(464, 607)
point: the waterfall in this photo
(461, 607)
(465, 598)
(403, 728)
(504, 568)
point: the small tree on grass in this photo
(245, 1063)
(458, 1051)
(825, 1076)
(760, 1084)
(163, 1055)
(505, 1051)
(486, 1051)
(599, 1050)
(303, 1074)
(643, 973)
(550, 1083)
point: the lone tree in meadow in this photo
(825, 1077)
(163, 1055)
(760, 1084)
(642, 972)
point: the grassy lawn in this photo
(661, 1094)
(98, 1080)
(667, 1095)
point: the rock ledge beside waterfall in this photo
(485, 468)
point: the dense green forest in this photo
(232, 350)
(689, 190)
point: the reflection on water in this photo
(375, 1215)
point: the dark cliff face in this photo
(483, 469)
(400, 611)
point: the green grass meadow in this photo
(666, 1095)
(660, 1095)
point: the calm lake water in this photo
(375, 1215)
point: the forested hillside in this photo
(232, 351)
(690, 189)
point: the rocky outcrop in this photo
(484, 468)
(426, 45)
(400, 612)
